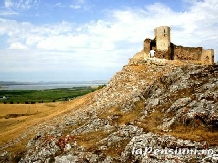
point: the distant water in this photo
(47, 86)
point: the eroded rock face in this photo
(112, 122)
(192, 94)
(152, 147)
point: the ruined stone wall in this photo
(164, 49)
(137, 57)
(207, 57)
(163, 54)
(187, 53)
(147, 48)
(144, 53)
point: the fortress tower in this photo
(162, 37)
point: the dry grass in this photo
(119, 117)
(196, 134)
(116, 149)
(25, 115)
(89, 140)
(132, 115)
(150, 123)
(18, 151)
(34, 114)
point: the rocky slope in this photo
(164, 107)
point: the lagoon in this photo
(47, 86)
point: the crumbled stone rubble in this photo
(123, 132)
(93, 125)
(183, 93)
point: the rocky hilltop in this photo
(154, 110)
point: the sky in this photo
(82, 40)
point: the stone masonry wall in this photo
(207, 56)
(162, 35)
(187, 53)
(163, 54)
(147, 47)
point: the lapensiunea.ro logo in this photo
(169, 151)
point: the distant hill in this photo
(6, 83)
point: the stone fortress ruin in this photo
(162, 48)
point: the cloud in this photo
(14, 7)
(130, 26)
(21, 4)
(107, 43)
(81, 5)
(75, 6)
(63, 42)
(8, 13)
(18, 46)
(8, 3)
(79, 1)
(58, 5)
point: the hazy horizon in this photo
(87, 81)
